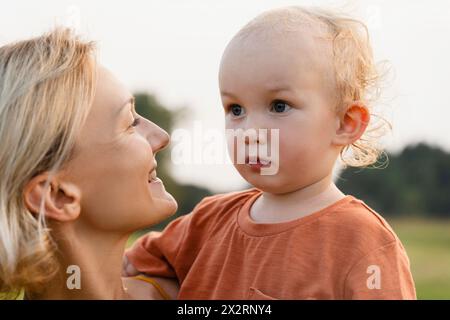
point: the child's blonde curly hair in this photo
(356, 75)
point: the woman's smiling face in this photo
(114, 163)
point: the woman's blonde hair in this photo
(47, 86)
(356, 75)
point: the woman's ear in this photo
(352, 124)
(62, 200)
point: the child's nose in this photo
(261, 136)
(257, 129)
(253, 122)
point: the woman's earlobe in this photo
(352, 124)
(61, 200)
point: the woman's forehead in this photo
(110, 92)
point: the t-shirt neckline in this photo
(249, 226)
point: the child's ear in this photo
(61, 199)
(351, 126)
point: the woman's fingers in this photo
(128, 270)
(169, 285)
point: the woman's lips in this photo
(156, 180)
(152, 174)
(152, 178)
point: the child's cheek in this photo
(294, 151)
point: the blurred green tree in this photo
(416, 182)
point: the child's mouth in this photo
(257, 163)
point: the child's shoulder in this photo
(230, 197)
(362, 225)
(219, 204)
(226, 201)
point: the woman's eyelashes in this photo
(136, 121)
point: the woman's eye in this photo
(236, 109)
(136, 122)
(279, 106)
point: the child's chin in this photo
(270, 184)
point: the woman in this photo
(77, 173)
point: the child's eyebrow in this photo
(278, 88)
(228, 94)
(269, 88)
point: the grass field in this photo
(428, 245)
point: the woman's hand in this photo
(141, 290)
(170, 286)
(138, 289)
(128, 270)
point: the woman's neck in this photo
(98, 258)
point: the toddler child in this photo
(306, 75)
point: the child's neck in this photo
(275, 208)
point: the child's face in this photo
(279, 83)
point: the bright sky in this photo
(173, 48)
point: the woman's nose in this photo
(157, 137)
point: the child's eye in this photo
(236, 110)
(279, 106)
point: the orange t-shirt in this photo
(344, 251)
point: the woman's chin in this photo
(168, 206)
(163, 201)
(157, 188)
(158, 211)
